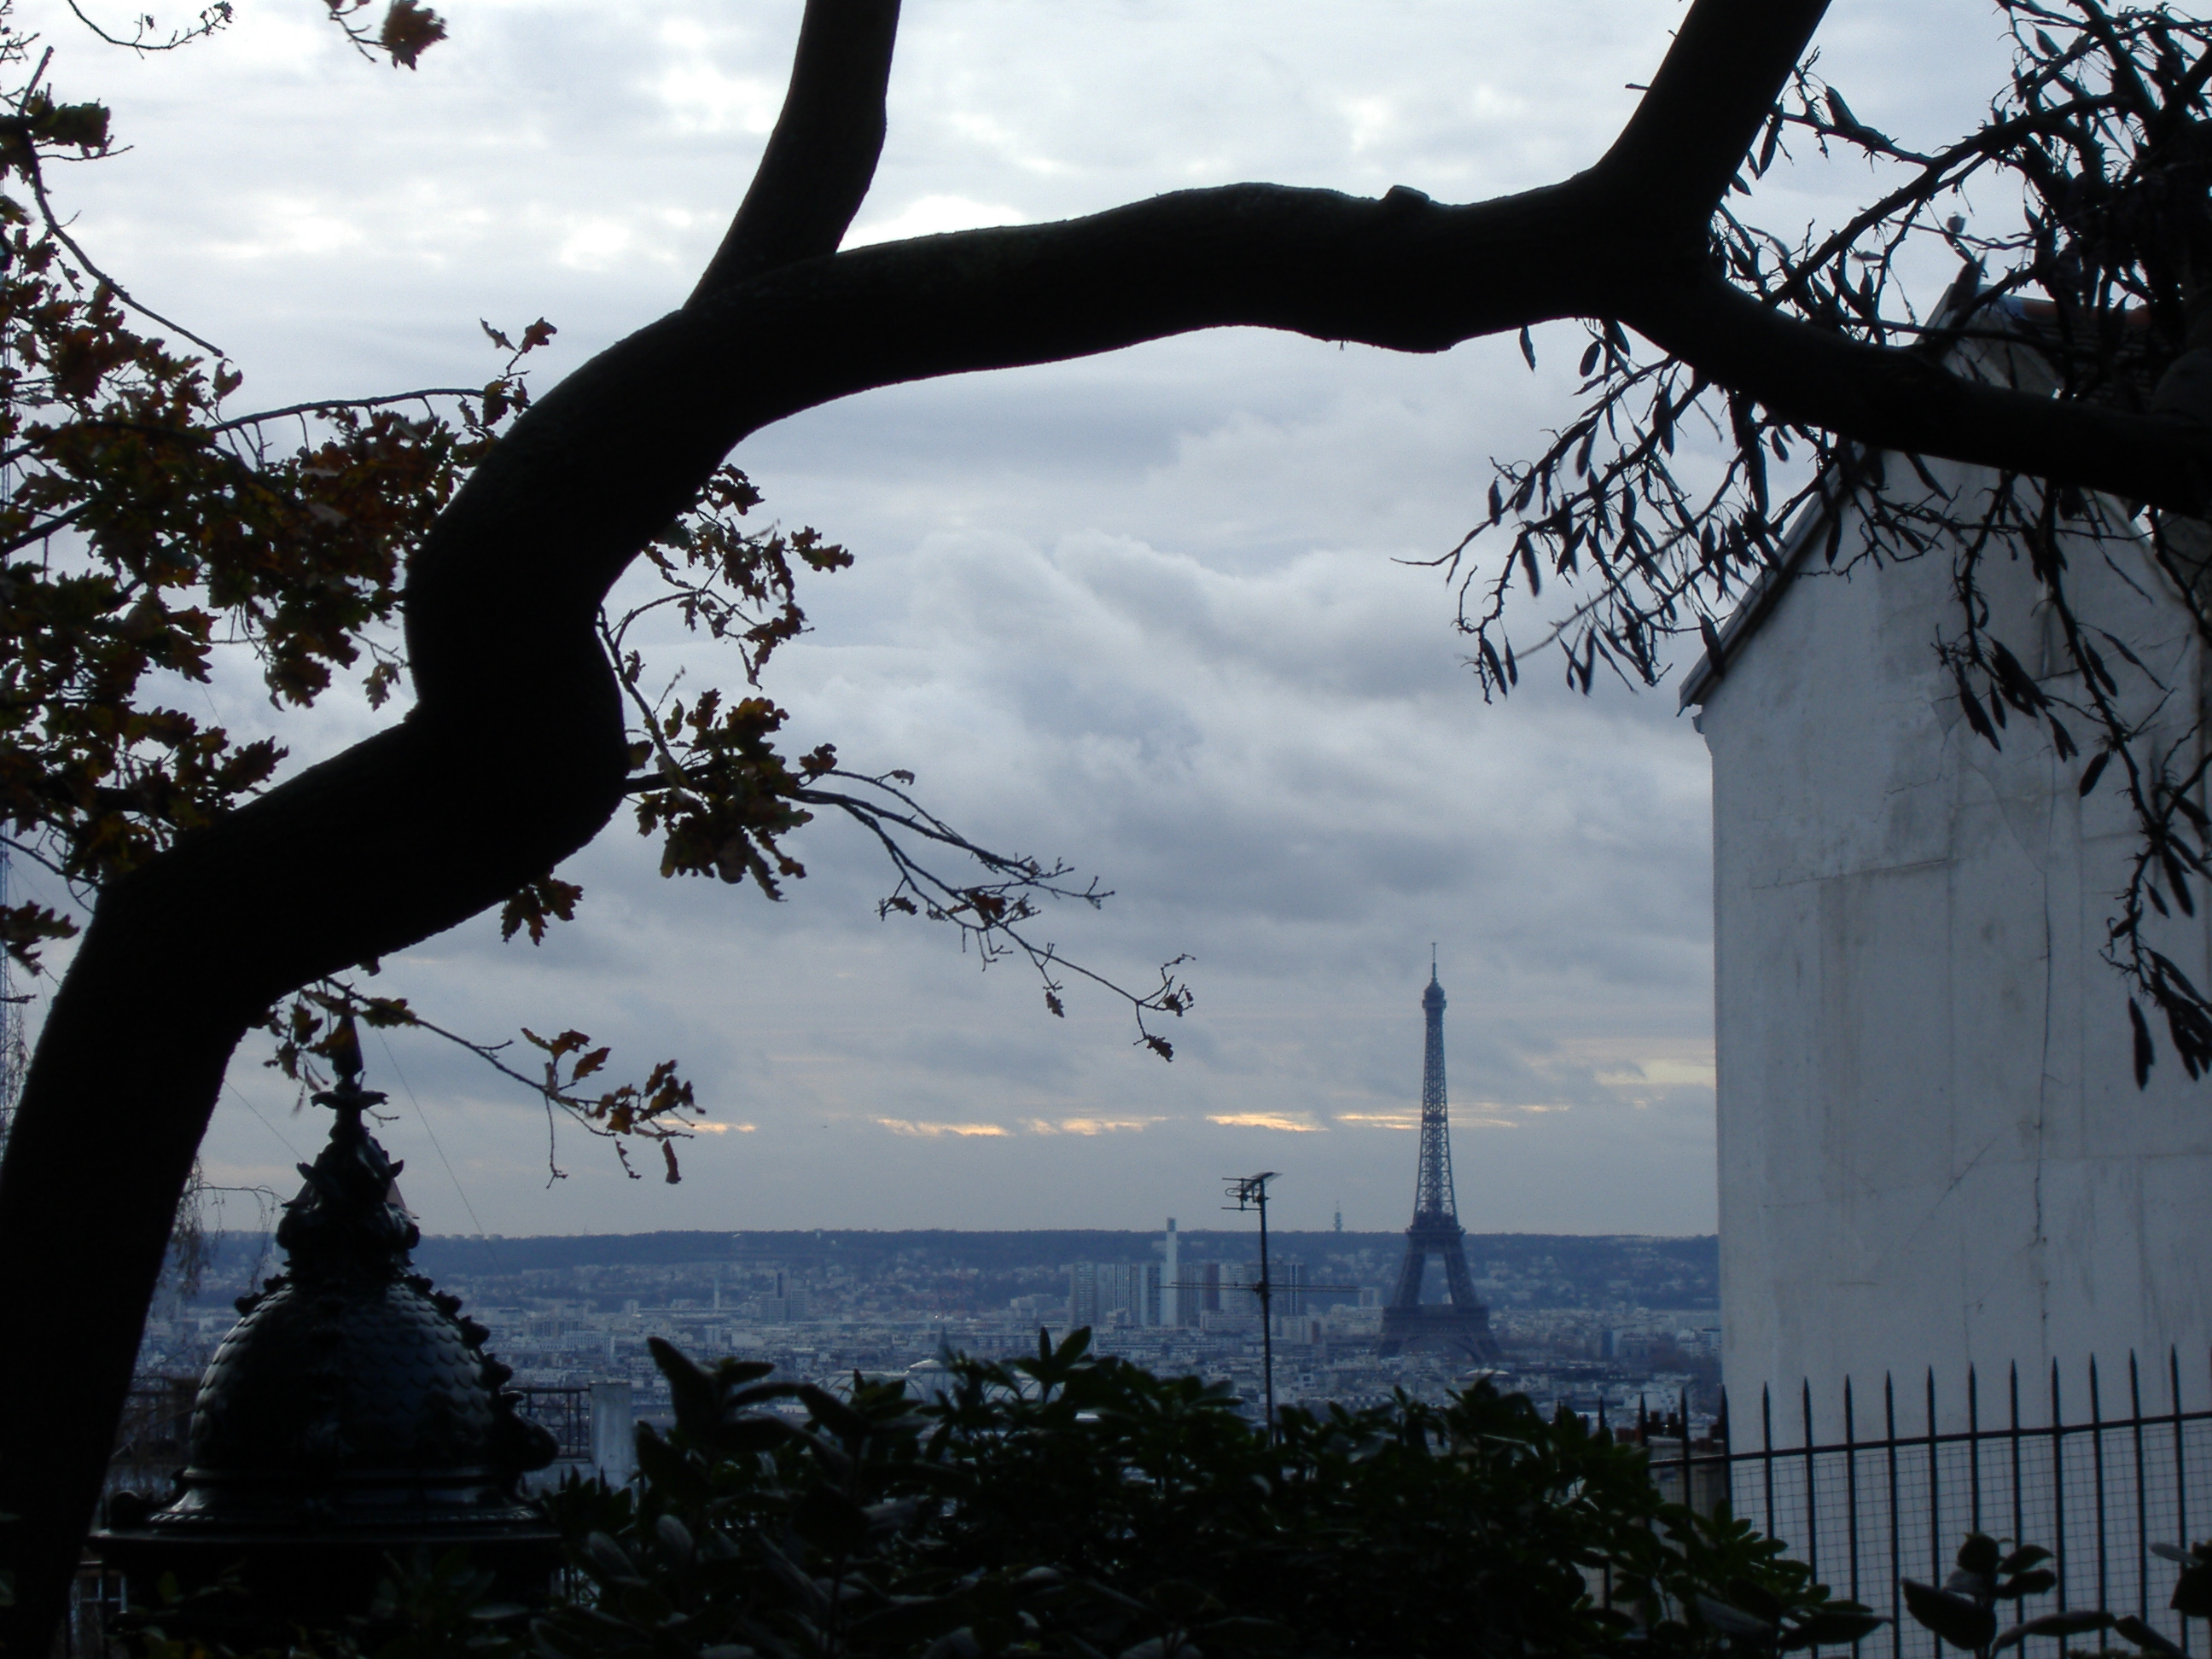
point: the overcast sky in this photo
(1147, 613)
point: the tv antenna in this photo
(1250, 1192)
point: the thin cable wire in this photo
(265, 1123)
(386, 1045)
(267, 1234)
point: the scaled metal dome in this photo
(350, 1414)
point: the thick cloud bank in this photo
(1150, 613)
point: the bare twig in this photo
(213, 18)
(33, 171)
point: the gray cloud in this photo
(1144, 611)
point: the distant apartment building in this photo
(790, 1305)
(1201, 1293)
(1083, 1295)
(1105, 1293)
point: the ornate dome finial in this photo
(347, 1221)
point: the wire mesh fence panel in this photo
(152, 1438)
(2098, 1475)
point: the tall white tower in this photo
(1170, 1283)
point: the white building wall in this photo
(1932, 1150)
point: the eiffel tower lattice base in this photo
(1459, 1325)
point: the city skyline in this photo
(1588, 1322)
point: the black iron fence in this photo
(2097, 1477)
(150, 1440)
(566, 1411)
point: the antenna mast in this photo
(1250, 1192)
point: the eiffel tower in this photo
(1461, 1326)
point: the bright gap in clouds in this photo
(1147, 612)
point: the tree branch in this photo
(822, 155)
(1673, 159)
(542, 532)
(1898, 399)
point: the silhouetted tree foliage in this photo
(1074, 1504)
